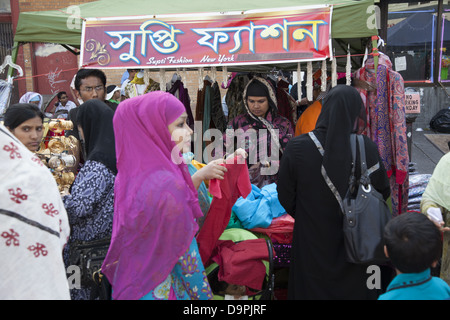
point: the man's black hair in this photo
(60, 94)
(84, 73)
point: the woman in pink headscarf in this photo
(153, 253)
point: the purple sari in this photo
(156, 203)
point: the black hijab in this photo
(96, 120)
(343, 113)
(260, 87)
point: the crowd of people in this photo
(139, 190)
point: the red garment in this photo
(235, 184)
(280, 230)
(287, 107)
(241, 263)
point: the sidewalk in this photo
(424, 154)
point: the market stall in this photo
(231, 37)
(207, 37)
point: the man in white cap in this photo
(113, 93)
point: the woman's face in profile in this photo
(30, 133)
(181, 133)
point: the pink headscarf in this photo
(156, 203)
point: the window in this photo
(5, 6)
(411, 39)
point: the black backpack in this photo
(441, 121)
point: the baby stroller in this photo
(239, 252)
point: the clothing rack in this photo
(8, 84)
(8, 62)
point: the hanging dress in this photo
(386, 125)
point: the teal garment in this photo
(203, 196)
(234, 222)
(187, 281)
(259, 208)
(416, 286)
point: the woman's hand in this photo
(239, 152)
(435, 215)
(213, 170)
(441, 226)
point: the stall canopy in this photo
(351, 19)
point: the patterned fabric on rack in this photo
(386, 124)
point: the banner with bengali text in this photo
(204, 40)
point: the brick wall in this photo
(39, 5)
(45, 5)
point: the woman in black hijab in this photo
(319, 269)
(96, 133)
(90, 205)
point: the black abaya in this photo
(318, 267)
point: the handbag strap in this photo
(352, 178)
(324, 172)
(365, 173)
(365, 178)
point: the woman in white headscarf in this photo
(435, 201)
(32, 97)
(34, 226)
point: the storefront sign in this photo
(215, 39)
(412, 102)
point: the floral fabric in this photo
(259, 149)
(187, 281)
(90, 208)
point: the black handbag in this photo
(365, 214)
(89, 256)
